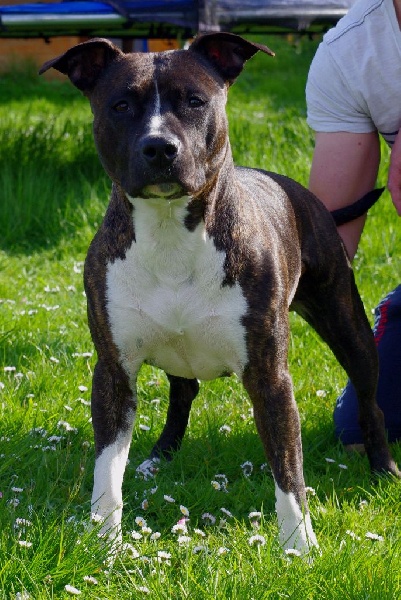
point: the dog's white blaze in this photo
(156, 117)
(107, 503)
(165, 301)
(295, 527)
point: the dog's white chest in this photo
(166, 302)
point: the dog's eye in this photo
(195, 101)
(121, 107)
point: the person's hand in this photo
(394, 174)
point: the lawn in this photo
(53, 195)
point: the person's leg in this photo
(387, 331)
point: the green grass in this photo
(53, 195)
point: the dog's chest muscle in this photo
(167, 306)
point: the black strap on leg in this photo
(357, 209)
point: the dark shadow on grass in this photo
(50, 173)
(47, 200)
(21, 82)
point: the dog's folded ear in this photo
(227, 52)
(84, 63)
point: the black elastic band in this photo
(357, 209)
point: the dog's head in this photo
(159, 118)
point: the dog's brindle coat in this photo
(197, 263)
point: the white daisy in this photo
(257, 540)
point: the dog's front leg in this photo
(113, 413)
(277, 421)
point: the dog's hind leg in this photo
(182, 394)
(337, 314)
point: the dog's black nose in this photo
(159, 151)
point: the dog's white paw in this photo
(148, 469)
(296, 531)
(301, 541)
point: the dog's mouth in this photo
(162, 190)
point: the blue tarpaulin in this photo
(167, 18)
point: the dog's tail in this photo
(357, 209)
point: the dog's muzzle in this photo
(159, 152)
